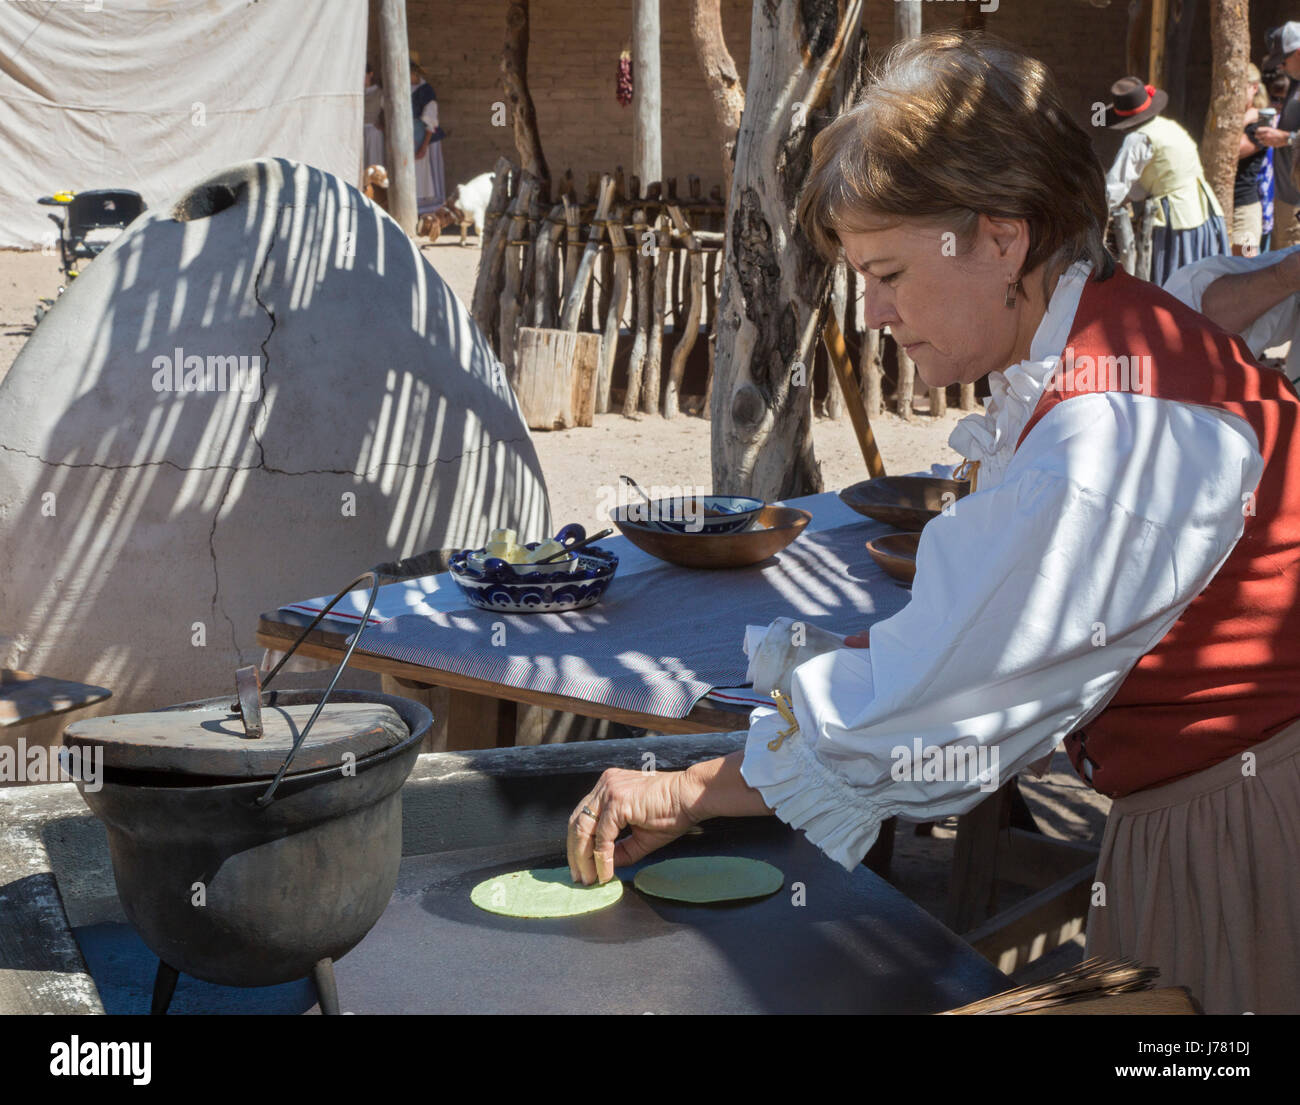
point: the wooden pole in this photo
(577, 296)
(907, 19)
(906, 384)
(1159, 25)
(512, 293)
(689, 330)
(838, 313)
(655, 350)
(617, 304)
(514, 79)
(842, 370)
(486, 306)
(640, 314)
(399, 127)
(546, 261)
(647, 160)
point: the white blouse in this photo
(1135, 154)
(1033, 599)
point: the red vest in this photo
(1227, 674)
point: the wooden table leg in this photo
(461, 720)
(881, 854)
(972, 894)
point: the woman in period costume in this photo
(372, 137)
(1126, 577)
(430, 186)
(1159, 162)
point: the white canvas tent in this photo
(153, 95)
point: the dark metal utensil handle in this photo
(375, 577)
(574, 547)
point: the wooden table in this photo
(27, 697)
(478, 713)
(992, 845)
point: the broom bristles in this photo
(1093, 978)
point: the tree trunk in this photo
(774, 283)
(514, 79)
(395, 71)
(1230, 53)
(725, 91)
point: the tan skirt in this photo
(1202, 879)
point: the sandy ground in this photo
(577, 463)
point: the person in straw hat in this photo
(1159, 162)
(1125, 578)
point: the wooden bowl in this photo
(896, 553)
(905, 502)
(773, 529)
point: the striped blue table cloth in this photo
(662, 638)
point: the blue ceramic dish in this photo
(706, 514)
(501, 589)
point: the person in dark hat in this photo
(1283, 46)
(1159, 162)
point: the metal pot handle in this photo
(375, 577)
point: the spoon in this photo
(574, 547)
(637, 488)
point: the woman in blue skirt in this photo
(1159, 163)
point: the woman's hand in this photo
(649, 803)
(658, 806)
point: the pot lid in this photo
(212, 741)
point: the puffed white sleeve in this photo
(1134, 155)
(1276, 326)
(1032, 600)
(429, 116)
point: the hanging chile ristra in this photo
(625, 77)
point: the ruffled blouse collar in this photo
(991, 437)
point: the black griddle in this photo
(856, 946)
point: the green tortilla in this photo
(543, 892)
(709, 879)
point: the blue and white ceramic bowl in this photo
(708, 514)
(498, 587)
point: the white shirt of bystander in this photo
(1033, 599)
(1276, 326)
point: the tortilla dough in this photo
(543, 892)
(709, 879)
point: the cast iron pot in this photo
(241, 895)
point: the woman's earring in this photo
(1010, 300)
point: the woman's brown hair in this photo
(953, 126)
